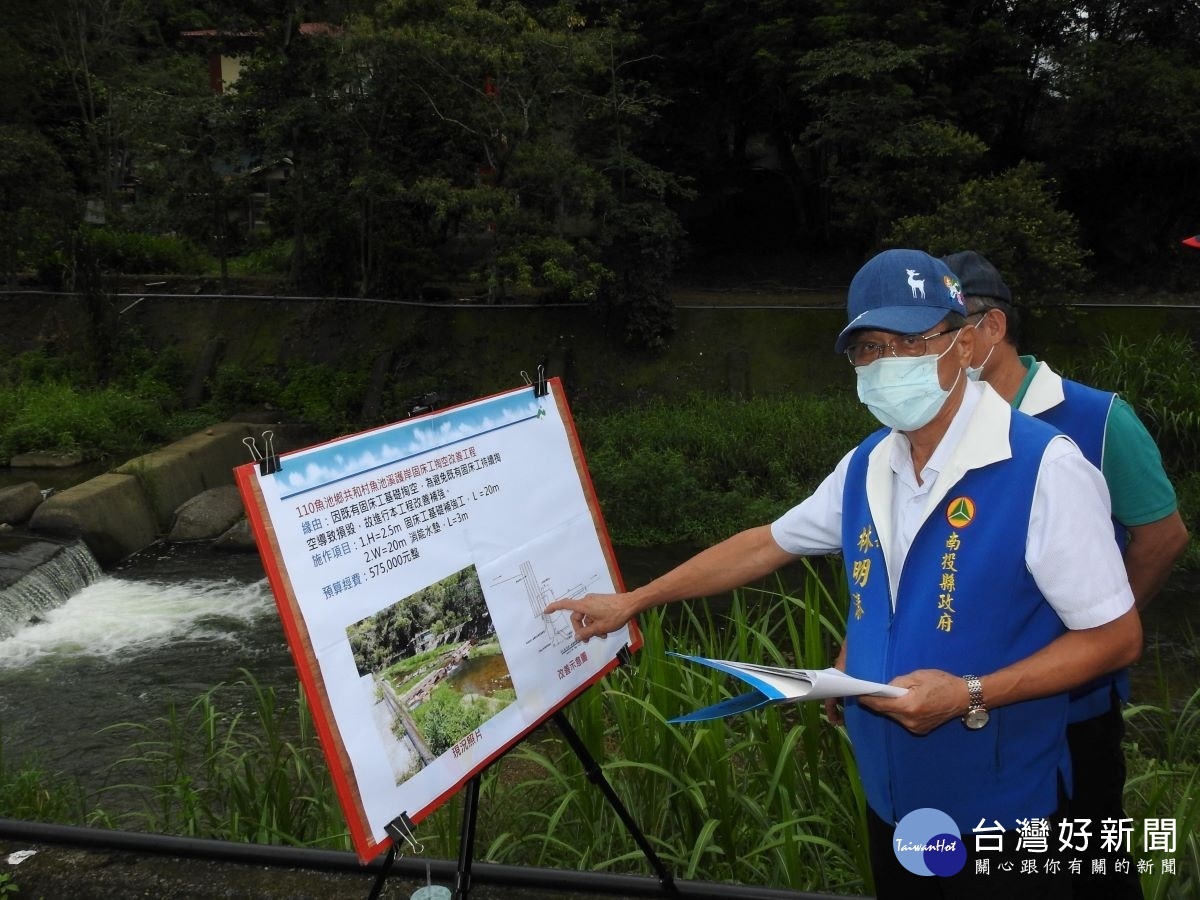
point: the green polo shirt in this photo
(1132, 465)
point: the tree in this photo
(1130, 115)
(190, 162)
(99, 47)
(542, 107)
(36, 196)
(1012, 219)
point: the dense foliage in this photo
(582, 150)
(701, 469)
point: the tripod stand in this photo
(595, 774)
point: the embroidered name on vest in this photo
(860, 569)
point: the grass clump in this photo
(1157, 377)
(703, 468)
(1163, 781)
(255, 775)
(58, 417)
(30, 793)
(52, 404)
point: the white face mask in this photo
(904, 392)
(976, 372)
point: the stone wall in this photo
(126, 510)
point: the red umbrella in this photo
(1193, 241)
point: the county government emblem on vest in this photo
(960, 512)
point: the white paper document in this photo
(772, 684)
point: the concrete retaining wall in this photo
(128, 509)
(174, 474)
(110, 513)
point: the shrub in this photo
(136, 251)
(446, 717)
(234, 387)
(326, 397)
(274, 258)
(58, 417)
(700, 469)
(1012, 219)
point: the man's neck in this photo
(924, 441)
(1005, 372)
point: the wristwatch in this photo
(977, 714)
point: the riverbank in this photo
(733, 336)
(126, 509)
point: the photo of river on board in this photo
(437, 668)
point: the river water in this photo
(173, 622)
(165, 626)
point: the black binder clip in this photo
(268, 461)
(401, 829)
(540, 388)
(623, 655)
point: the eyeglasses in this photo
(864, 353)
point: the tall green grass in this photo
(1158, 379)
(1163, 757)
(255, 774)
(768, 798)
(59, 417)
(30, 792)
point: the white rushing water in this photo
(115, 616)
(162, 628)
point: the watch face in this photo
(975, 718)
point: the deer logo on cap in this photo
(917, 284)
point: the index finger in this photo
(562, 604)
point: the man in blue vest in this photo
(983, 579)
(1148, 528)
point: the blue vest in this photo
(967, 605)
(1083, 417)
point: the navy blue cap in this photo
(904, 291)
(976, 276)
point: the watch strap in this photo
(974, 691)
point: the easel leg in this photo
(383, 873)
(596, 776)
(466, 843)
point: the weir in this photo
(37, 574)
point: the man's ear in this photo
(964, 347)
(995, 325)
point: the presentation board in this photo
(411, 565)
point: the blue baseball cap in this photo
(905, 291)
